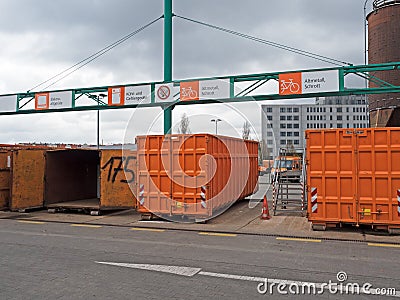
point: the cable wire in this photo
(270, 43)
(92, 57)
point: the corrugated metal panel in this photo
(117, 178)
(194, 175)
(354, 176)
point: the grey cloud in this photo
(40, 38)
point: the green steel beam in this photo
(25, 98)
(168, 60)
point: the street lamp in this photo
(98, 99)
(216, 125)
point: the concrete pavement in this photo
(243, 218)
(42, 260)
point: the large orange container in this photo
(21, 176)
(353, 176)
(194, 176)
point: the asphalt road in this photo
(61, 261)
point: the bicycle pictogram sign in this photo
(189, 90)
(290, 84)
(188, 93)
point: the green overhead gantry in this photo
(309, 83)
(101, 95)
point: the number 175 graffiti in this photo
(122, 165)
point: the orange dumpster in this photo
(194, 176)
(353, 176)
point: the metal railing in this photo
(377, 4)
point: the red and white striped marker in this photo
(398, 203)
(203, 196)
(141, 194)
(314, 204)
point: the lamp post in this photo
(98, 98)
(216, 125)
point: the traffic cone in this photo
(265, 210)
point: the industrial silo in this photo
(383, 47)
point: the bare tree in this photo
(246, 130)
(183, 126)
(263, 151)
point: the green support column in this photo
(167, 60)
(167, 119)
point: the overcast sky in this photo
(41, 38)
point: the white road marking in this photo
(183, 271)
(190, 272)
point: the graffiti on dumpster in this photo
(121, 164)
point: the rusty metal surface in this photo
(27, 179)
(118, 171)
(384, 46)
(5, 178)
(71, 174)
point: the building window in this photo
(269, 125)
(289, 125)
(339, 118)
(283, 118)
(295, 109)
(339, 109)
(282, 109)
(289, 118)
(269, 118)
(283, 125)
(269, 109)
(283, 133)
(339, 125)
(270, 142)
(289, 133)
(296, 133)
(295, 125)
(283, 142)
(296, 142)
(296, 118)
(269, 133)
(289, 109)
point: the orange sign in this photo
(290, 83)
(42, 101)
(116, 96)
(189, 90)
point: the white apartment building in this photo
(284, 125)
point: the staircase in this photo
(288, 188)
